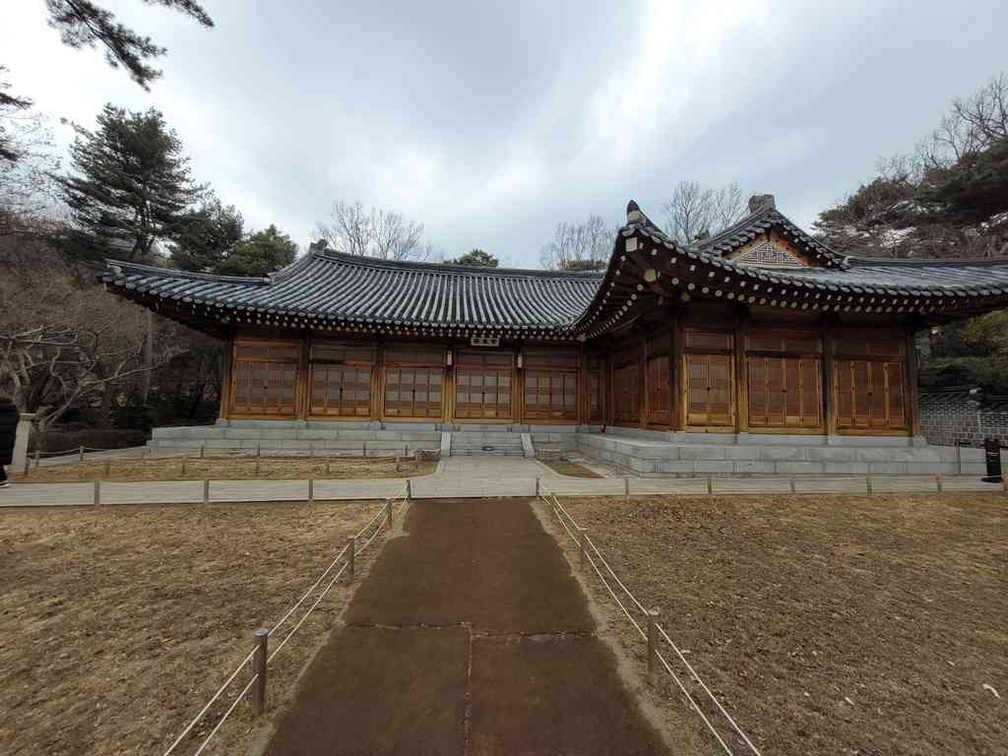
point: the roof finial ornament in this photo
(633, 212)
(319, 246)
(761, 202)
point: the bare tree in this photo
(694, 211)
(579, 246)
(969, 127)
(63, 344)
(375, 232)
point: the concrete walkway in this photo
(464, 477)
(469, 635)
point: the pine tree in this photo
(476, 257)
(207, 236)
(128, 188)
(260, 253)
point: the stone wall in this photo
(959, 416)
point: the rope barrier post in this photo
(108, 467)
(36, 459)
(409, 489)
(27, 466)
(652, 640)
(397, 463)
(259, 668)
(202, 451)
(183, 466)
(351, 557)
(257, 466)
(626, 489)
(938, 482)
(258, 450)
(710, 486)
(582, 539)
(793, 488)
(537, 488)
(388, 512)
(81, 459)
(97, 493)
(868, 483)
(206, 491)
(311, 490)
(328, 465)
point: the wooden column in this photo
(227, 376)
(913, 392)
(677, 371)
(448, 387)
(741, 381)
(642, 420)
(828, 392)
(378, 382)
(303, 389)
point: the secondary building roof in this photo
(330, 290)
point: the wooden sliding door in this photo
(484, 384)
(341, 380)
(414, 383)
(659, 381)
(626, 386)
(870, 378)
(264, 378)
(551, 386)
(784, 376)
(710, 383)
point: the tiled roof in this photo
(325, 289)
(347, 288)
(757, 223)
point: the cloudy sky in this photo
(490, 122)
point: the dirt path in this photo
(469, 636)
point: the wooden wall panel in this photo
(710, 391)
(626, 394)
(341, 382)
(659, 390)
(484, 385)
(413, 382)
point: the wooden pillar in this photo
(302, 391)
(227, 376)
(741, 379)
(677, 371)
(377, 408)
(913, 392)
(829, 407)
(448, 384)
(518, 388)
(643, 409)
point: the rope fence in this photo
(260, 657)
(649, 629)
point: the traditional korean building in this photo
(761, 336)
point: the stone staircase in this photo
(487, 443)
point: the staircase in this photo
(481, 443)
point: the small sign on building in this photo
(484, 340)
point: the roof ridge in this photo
(922, 261)
(378, 262)
(114, 263)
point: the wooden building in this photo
(760, 329)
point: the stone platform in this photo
(645, 452)
(631, 450)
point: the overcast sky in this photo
(491, 122)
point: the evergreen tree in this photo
(207, 236)
(128, 188)
(82, 23)
(259, 254)
(476, 257)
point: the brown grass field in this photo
(568, 467)
(231, 468)
(843, 625)
(118, 624)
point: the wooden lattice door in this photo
(710, 391)
(264, 379)
(484, 386)
(414, 383)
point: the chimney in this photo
(761, 202)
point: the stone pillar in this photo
(21, 442)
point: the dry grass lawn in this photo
(843, 625)
(119, 623)
(232, 468)
(565, 466)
